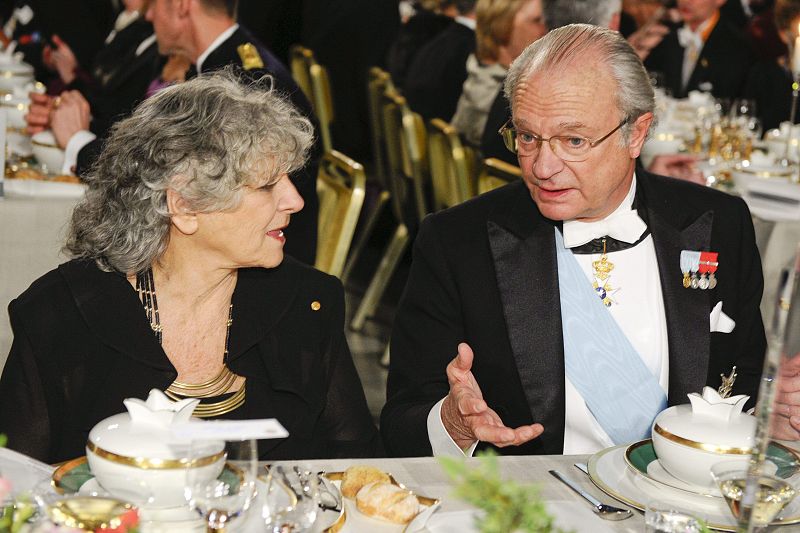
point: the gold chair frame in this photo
(452, 165)
(341, 186)
(314, 81)
(496, 173)
(379, 81)
(405, 145)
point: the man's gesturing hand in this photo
(465, 415)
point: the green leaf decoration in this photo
(3, 440)
(508, 507)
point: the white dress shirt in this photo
(639, 312)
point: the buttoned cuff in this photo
(73, 148)
(442, 443)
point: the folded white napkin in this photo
(721, 322)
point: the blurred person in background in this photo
(706, 52)
(437, 73)
(83, 24)
(769, 82)
(504, 29)
(428, 19)
(205, 32)
(118, 79)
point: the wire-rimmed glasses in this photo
(572, 148)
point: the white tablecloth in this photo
(32, 232)
(424, 476)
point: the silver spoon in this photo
(608, 512)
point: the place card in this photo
(265, 428)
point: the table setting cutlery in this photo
(605, 511)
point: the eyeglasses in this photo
(570, 148)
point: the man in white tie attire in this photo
(562, 295)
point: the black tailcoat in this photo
(485, 273)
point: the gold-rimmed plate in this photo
(641, 459)
(356, 521)
(610, 473)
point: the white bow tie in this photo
(689, 39)
(626, 226)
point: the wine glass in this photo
(291, 499)
(221, 480)
(670, 517)
(776, 488)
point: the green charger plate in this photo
(639, 455)
(71, 476)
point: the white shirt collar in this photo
(221, 38)
(466, 21)
(623, 223)
(144, 45)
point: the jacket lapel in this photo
(111, 309)
(523, 250)
(686, 310)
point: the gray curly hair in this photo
(561, 46)
(206, 139)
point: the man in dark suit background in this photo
(563, 293)
(707, 53)
(206, 33)
(437, 73)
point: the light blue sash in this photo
(618, 388)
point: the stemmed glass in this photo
(777, 486)
(291, 500)
(221, 480)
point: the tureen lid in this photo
(144, 431)
(709, 419)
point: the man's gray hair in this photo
(206, 139)
(563, 46)
(558, 13)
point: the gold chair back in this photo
(406, 156)
(314, 81)
(341, 187)
(453, 165)
(300, 59)
(496, 173)
(379, 81)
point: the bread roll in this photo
(387, 501)
(356, 477)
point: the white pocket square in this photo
(720, 321)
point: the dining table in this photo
(425, 477)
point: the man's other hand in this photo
(38, 116)
(71, 116)
(465, 415)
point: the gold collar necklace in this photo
(218, 385)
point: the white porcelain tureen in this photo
(136, 452)
(689, 438)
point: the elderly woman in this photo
(179, 282)
(503, 29)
